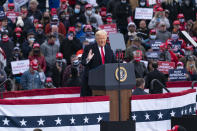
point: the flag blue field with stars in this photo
(61, 114)
(154, 112)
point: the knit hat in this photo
(131, 23)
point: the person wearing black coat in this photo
(58, 71)
(139, 90)
(77, 16)
(155, 74)
(7, 46)
(93, 56)
(75, 80)
(173, 7)
(70, 46)
(140, 69)
(188, 9)
(34, 12)
(123, 12)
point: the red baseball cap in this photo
(88, 6)
(63, 0)
(71, 29)
(152, 31)
(36, 45)
(176, 22)
(36, 20)
(53, 11)
(159, 9)
(59, 55)
(34, 64)
(109, 19)
(48, 79)
(79, 53)
(181, 15)
(18, 29)
(39, 26)
(10, 5)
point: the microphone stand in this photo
(119, 52)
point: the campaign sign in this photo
(153, 55)
(164, 66)
(20, 2)
(144, 13)
(12, 15)
(109, 28)
(152, 2)
(156, 46)
(177, 75)
(19, 66)
(2, 13)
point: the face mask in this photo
(31, 40)
(51, 42)
(5, 38)
(77, 29)
(89, 33)
(36, 52)
(83, 1)
(75, 63)
(67, 17)
(174, 36)
(187, 2)
(46, 18)
(49, 84)
(63, 16)
(179, 67)
(89, 12)
(16, 54)
(94, 25)
(142, 3)
(40, 32)
(55, 34)
(153, 37)
(77, 11)
(123, 1)
(181, 20)
(18, 35)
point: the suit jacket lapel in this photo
(97, 52)
(106, 54)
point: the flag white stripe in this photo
(153, 126)
(45, 97)
(63, 128)
(54, 109)
(164, 103)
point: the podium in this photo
(109, 79)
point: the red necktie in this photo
(102, 56)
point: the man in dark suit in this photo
(155, 74)
(94, 55)
(140, 83)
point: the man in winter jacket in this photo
(89, 14)
(77, 16)
(49, 49)
(70, 45)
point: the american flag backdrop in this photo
(153, 112)
(46, 93)
(61, 114)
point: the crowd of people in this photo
(53, 39)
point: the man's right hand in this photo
(90, 55)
